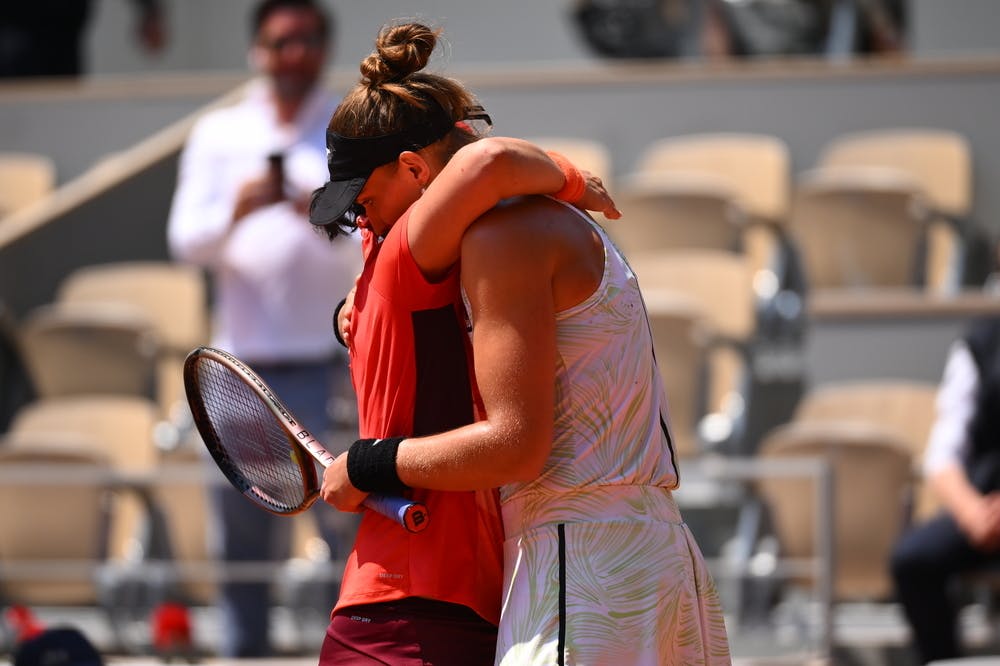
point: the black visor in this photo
(351, 161)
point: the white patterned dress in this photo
(599, 565)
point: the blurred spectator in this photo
(640, 28)
(240, 210)
(864, 26)
(45, 37)
(16, 388)
(963, 465)
(740, 28)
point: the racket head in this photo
(250, 434)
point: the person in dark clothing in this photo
(16, 387)
(44, 38)
(961, 464)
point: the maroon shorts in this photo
(409, 632)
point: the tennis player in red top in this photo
(407, 168)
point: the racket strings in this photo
(253, 441)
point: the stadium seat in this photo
(719, 285)
(680, 342)
(74, 349)
(906, 407)
(120, 428)
(860, 228)
(24, 179)
(679, 210)
(53, 520)
(871, 469)
(756, 166)
(940, 163)
(172, 296)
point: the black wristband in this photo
(336, 324)
(371, 466)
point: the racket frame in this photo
(411, 515)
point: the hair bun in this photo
(400, 51)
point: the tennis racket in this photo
(259, 446)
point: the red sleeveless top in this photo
(412, 375)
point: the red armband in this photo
(575, 186)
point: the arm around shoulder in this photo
(477, 178)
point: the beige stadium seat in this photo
(719, 284)
(75, 349)
(757, 166)
(120, 428)
(859, 228)
(53, 521)
(871, 469)
(940, 162)
(172, 296)
(24, 179)
(677, 211)
(680, 343)
(757, 170)
(906, 407)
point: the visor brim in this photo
(330, 202)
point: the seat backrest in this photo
(173, 296)
(681, 346)
(720, 285)
(939, 160)
(676, 210)
(24, 179)
(906, 407)
(50, 516)
(121, 425)
(756, 166)
(72, 349)
(121, 430)
(871, 480)
(859, 228)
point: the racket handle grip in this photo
(411, 515)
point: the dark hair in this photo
(266, 8)
(395, 95)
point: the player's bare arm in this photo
(476, 179)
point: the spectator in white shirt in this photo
(241, 211)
